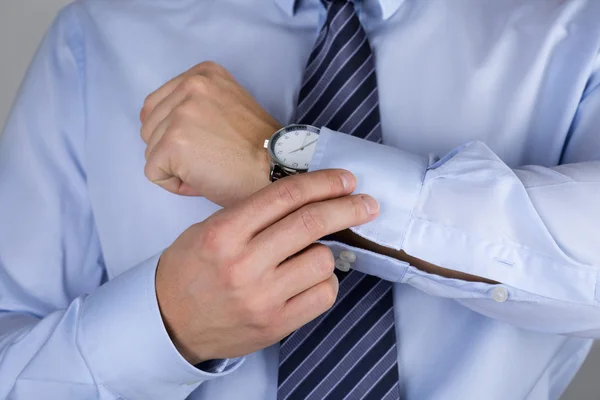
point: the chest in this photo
(509, 74)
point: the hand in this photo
(250, 275)
(205, 136)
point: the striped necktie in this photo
(350, 351)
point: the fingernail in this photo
(371, 204)
(347, 180)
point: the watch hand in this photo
(304, 141)
(303, 147)
(309, 143)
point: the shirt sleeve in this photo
(66, 333)
(533, 229)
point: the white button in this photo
(500, 294)
(348, 256)
(342, 265)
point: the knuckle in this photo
(289, 192)
(356, 207)
(196, 84)
(185, 110)
(150, 169)
(213, 237)
(324, 260)
(145, 133)
(312, 223)
(212, 69)
(206, 65)
(148, 104)
(335, 182)
(211, 66)
(175, 136)
(328, 295)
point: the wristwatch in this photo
(291, 149)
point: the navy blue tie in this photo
(350, 351)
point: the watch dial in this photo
(294, 147)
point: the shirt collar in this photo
(387, 7)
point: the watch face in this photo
(293, 146)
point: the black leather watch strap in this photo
(277, 173)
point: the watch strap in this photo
(277, 173)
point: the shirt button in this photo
(348, 256)
(500, 294)
(342, 265)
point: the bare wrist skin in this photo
(162, 294)
(263, 168)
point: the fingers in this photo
(206, 69)
(308, 305)
(159, 168)
(310, 223)
(161, 111)
(283, 197)
(155, 98)
(313, 265)
(156, 136)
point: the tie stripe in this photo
(340, 75)
(381, 354)
(302, 352)
(388, 362)
(327, 90)
(289, 344)
(325, 112)
(334, 355)
(350, 351)
(360, 112)
(338, 21)
(361, 358)
(363, 91)
(315, 92)
(350, 28)
(369, 123)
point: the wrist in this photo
(263, 169)
(168, 313)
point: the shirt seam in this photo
(77, 48)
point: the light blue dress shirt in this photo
(491, 116)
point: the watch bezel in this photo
(278, 134)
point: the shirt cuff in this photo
(395, 178)
(124, 341)
(392, 176)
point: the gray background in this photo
(22, 24)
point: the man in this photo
(470, 273)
